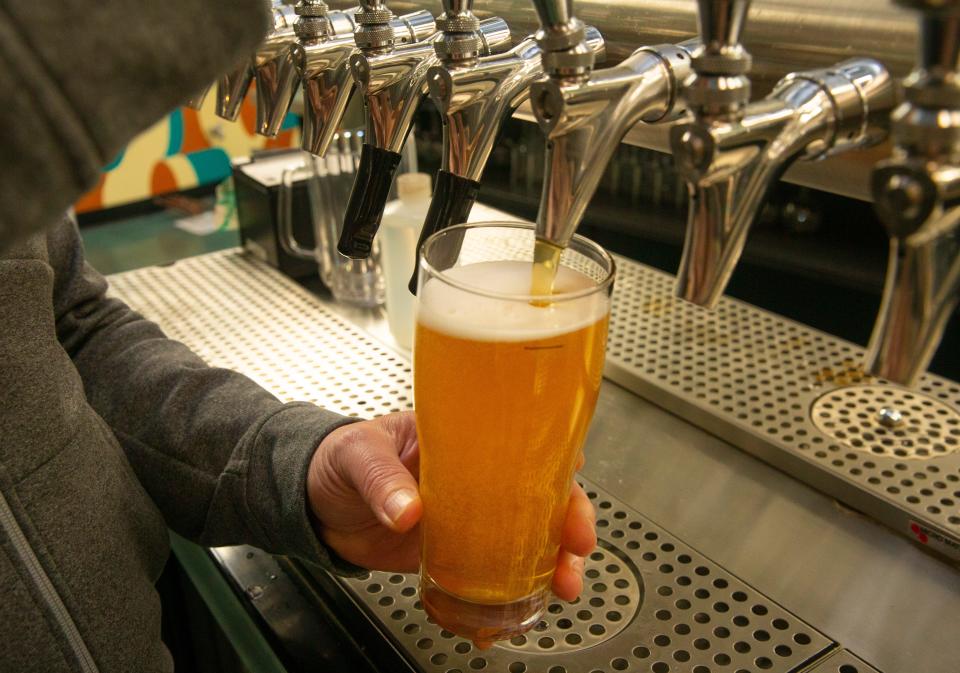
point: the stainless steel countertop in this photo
(861, 584)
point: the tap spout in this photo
(393, 84)
(584, 121)
(730, 160)
(233, 85)
(923, 270)
(328, 85)
(474, 101)
(917, 197)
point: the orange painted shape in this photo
(248, 113)
(193, 137)
(93, 199)
(282, 140)
(162, 180)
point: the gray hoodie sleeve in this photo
(81, 78)
(224, 460)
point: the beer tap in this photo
(233, 85)
(732, 150)
(393, 83)
(474, 101)
(584, 113)
(324, 68)
(917, 196)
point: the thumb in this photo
(371, 464)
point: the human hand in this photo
(362, 489)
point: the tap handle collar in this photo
(313, 21)
(563, 39)
(460, 40)
(719, 83)
(721, 22)
(374, 31)
(934, 81)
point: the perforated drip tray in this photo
(650, 603)
(796, 398)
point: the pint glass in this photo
(505, 385)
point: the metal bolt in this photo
(905, 195)
(889, 418)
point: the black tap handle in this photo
(453, 198)
(371, 189)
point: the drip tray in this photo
(650, 603)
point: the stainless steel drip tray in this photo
(650, 603)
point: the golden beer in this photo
(505, 390)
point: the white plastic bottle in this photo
(399, 231)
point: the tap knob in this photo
(563, 39)
(460, 40)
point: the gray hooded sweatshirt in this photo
(109, 431)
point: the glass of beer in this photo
(505, 384)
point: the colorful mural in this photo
(187, 148)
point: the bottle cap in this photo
(413, 186)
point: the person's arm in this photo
(224, 460)
(81, 78)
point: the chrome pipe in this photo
(917, 196)
(779, 41)
(781, 35)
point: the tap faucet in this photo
(393, 84)
(917, 197)
(732, 150)
(324, 68)
(584, 113)
(232, 86)
(474, 101)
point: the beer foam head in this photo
(462, 313)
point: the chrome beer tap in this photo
(584, 113)
(475, 99)
(233, 85)
(733, 150)
(324, 68)
(393, 84)
(917, 196)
